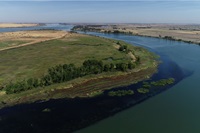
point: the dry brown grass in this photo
(193, 36)
(28, 38)
(13, 25)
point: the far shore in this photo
(15, 25)
(183, 33)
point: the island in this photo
(52, 64)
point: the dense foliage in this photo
(66, 72)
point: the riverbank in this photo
(34, 60)
(184, 33)
(16, 25)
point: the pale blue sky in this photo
(101, 11)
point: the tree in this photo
(125, 47)
(124, 67)
(131, 65)
(112, 67)
(121, 48)
(30, 83)
(137, 59)
(106, 67)
(118, 43)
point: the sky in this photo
(149, 11)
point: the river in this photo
(175, 110)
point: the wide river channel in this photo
(176, 110)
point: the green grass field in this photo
(34, 60)
(4, 44)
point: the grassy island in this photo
(72, 65)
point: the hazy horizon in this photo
(164, 12)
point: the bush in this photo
(131, 65)
(123, 48)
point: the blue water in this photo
(175, 110)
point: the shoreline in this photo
(164, 38)
(154, 32)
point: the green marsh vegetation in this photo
(143, 90)
(163, 82)
(120, 93)
(146, 86)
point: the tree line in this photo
(66, 72)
